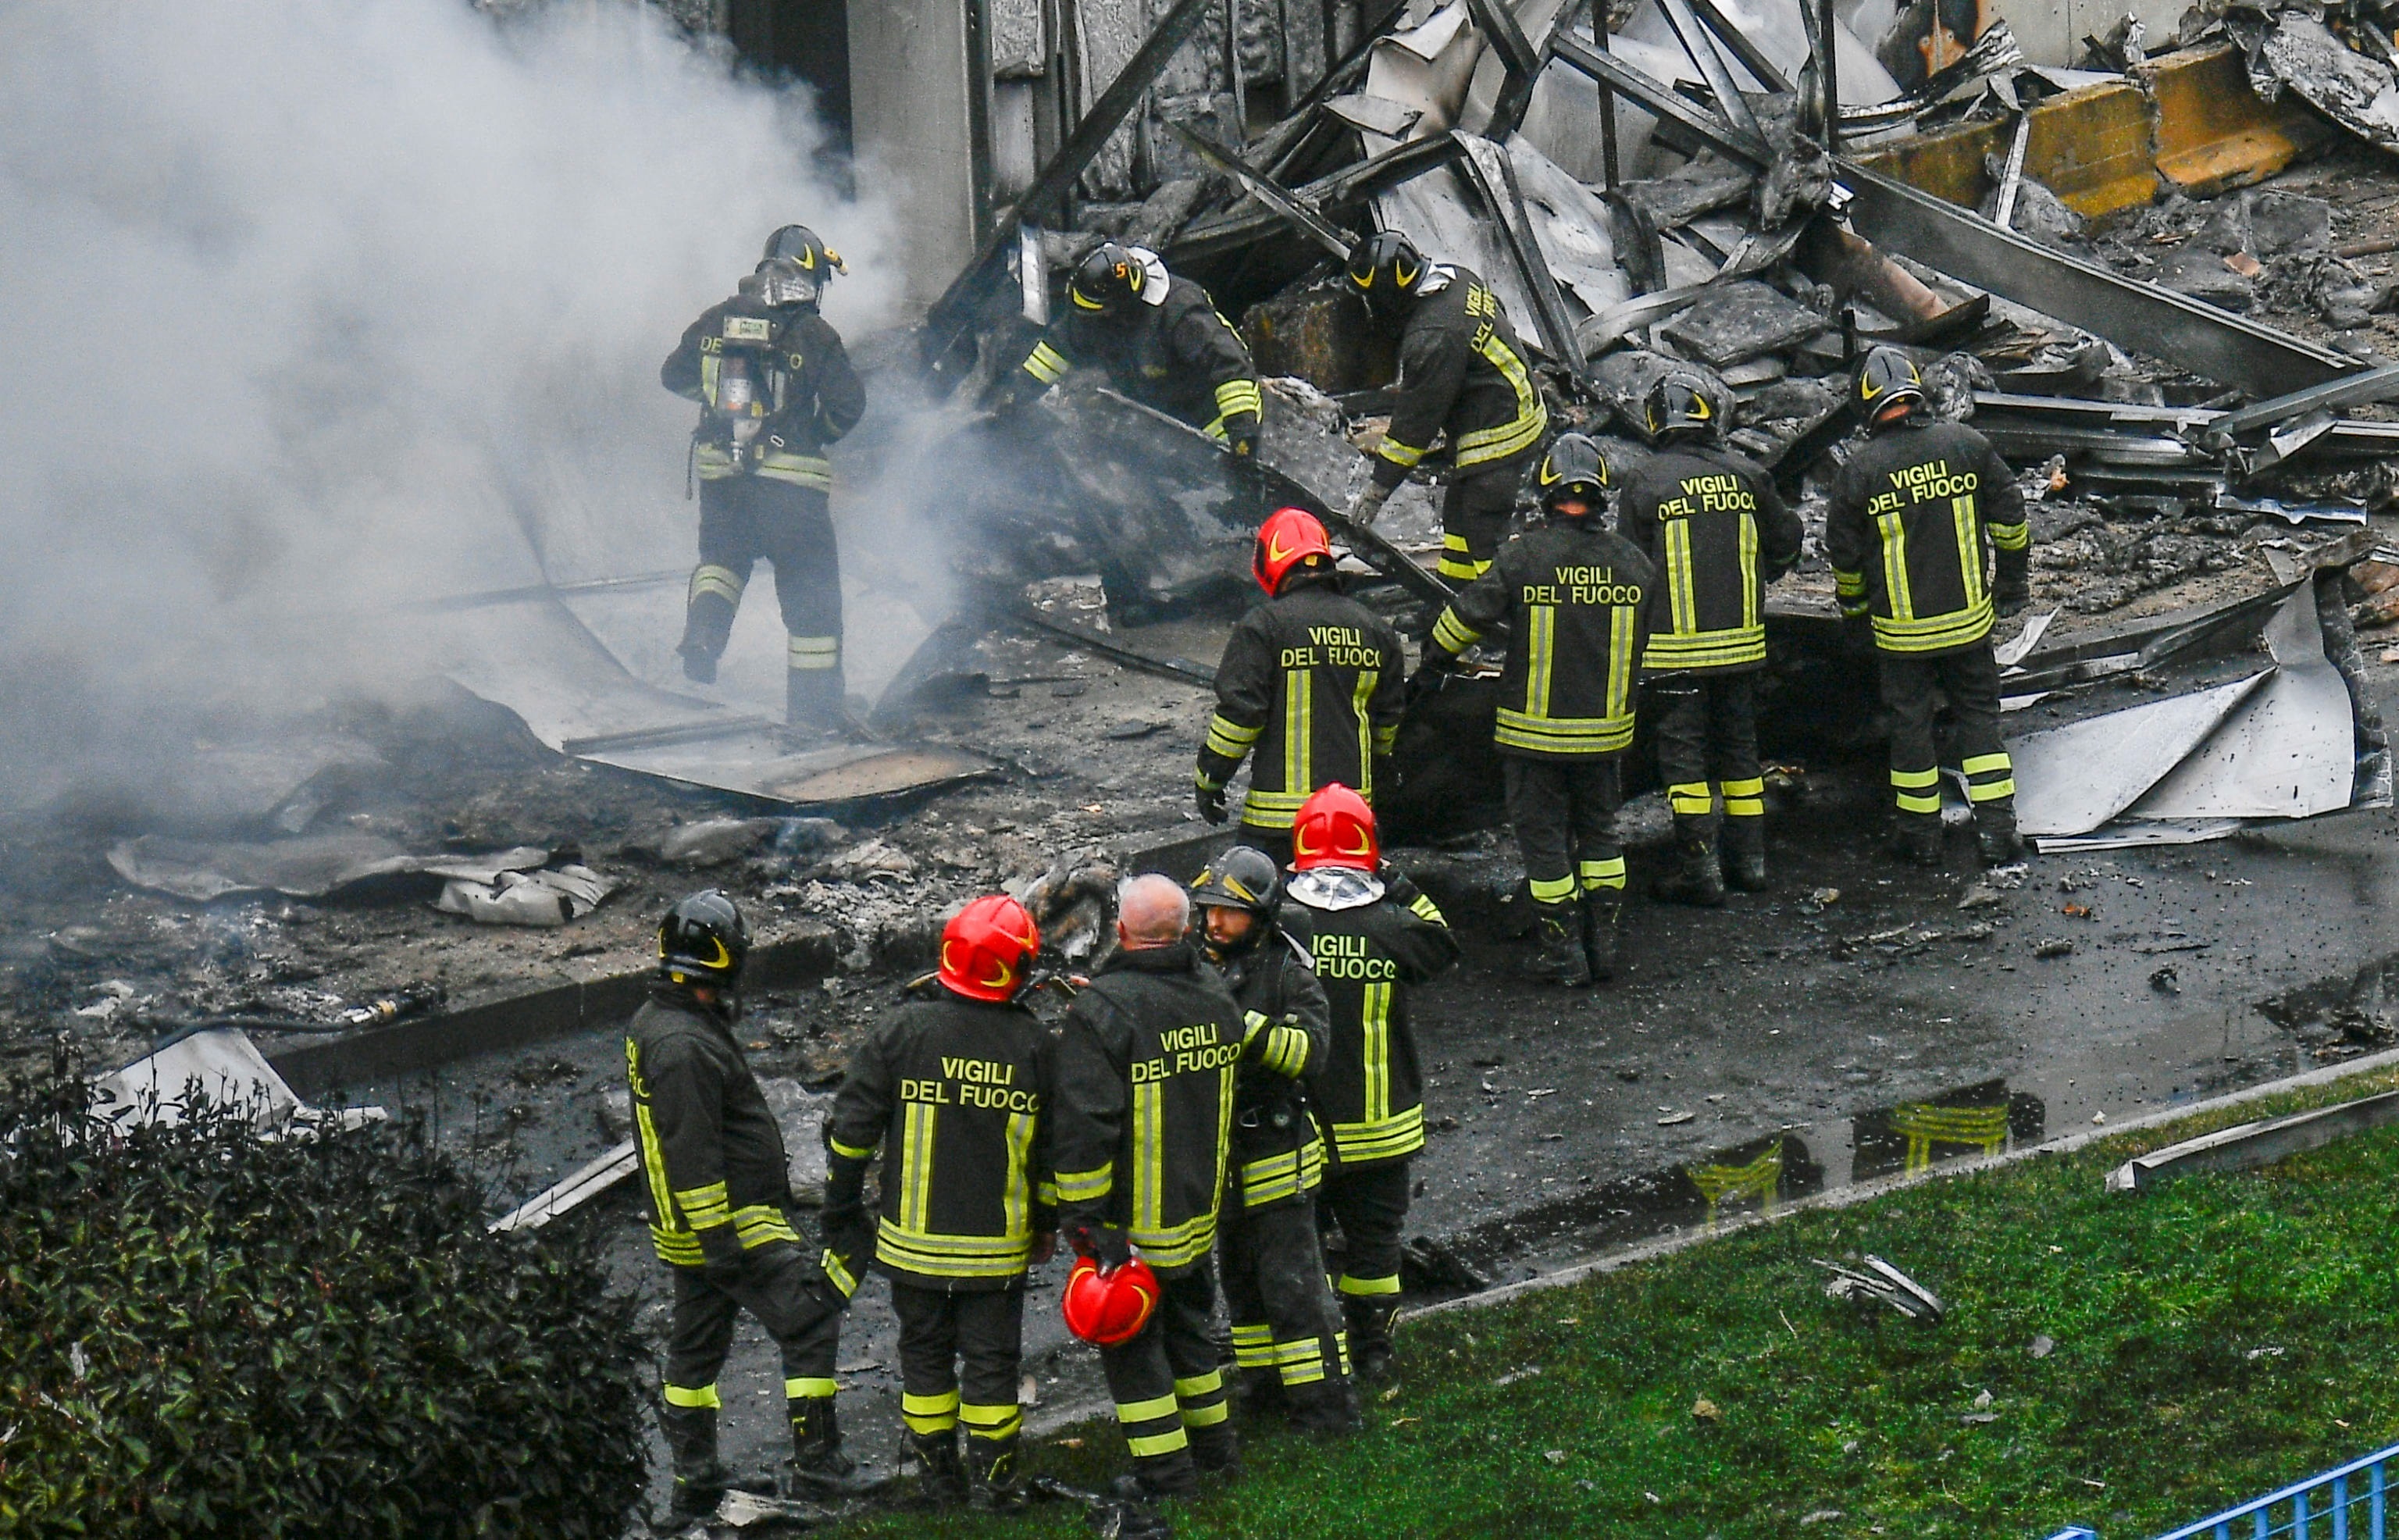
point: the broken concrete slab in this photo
(1731, 323)
(2297, 52)
(311, 866)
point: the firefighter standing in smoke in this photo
(1287, 1336)
(775, 388)
(719, 1195)
(952, 1092)
(1461, 372)
(1376, 937)
(1575, 599)
(1160, 340)
(1909, 515)
(1312, 683)
(1143, 1070)
(1713, 526)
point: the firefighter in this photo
(1160, 340)
(1713, 527)
(775, 388)
(1905, 528)
(1575, 598)
(1311, 682)
(1376, 937)
(1143, 1074)
(1286, 1330)
(719, 1197)
(1461, 372)
(952, 1092)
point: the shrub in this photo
(204, 1332)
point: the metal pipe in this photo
(1828, 67)
(1607, 98)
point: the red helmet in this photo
(985, 948)
(1288, 538)
(1110, 1308)
(1335, 828)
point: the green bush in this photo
(205, 1333)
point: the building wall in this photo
(912, 126)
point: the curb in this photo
(1863, 1192)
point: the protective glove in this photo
(1245, 444)
(2008, 601)
(1436, 666)
(719, 1253)
(1368, 504)
(1103, 1243)
(1211, 802)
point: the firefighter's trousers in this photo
(742, 520)
(1707, 745)
(1563, 811)
(1166, 1383)
(1474, 509)
(789, 1295)
(958, 1359)
(1912, 685)
(1370, 1203)
(1284, 1320)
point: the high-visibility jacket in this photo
(1287, 1031)
(1717, 532)
(1576, 599)
(1172, 352)
(1313, 685)
(804, 395)
(1368, 957)
(1904, 531)
(1143, 1069)
(710, 1152)
(951, 1093)
(1463, 373)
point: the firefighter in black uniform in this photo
(1312, 682)
(1462, 372)
(1711, 525)
(1143, 1070)
(1160, 340)
(952, 1092)
(1575, 598)
(1376, 937)
(719, 1193)
(775, 388)
(1286, 1331)
(1905, 528)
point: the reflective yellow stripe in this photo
(1192, 1389)
(762, 1222)
(1399, 453)
(808, 1387)
(1016, 1197)
(800, 471)
(1452, 635)
(951, 1256)
(1424, 909)
(1691, 798)
(1749, 595)
(1046, 364)
(1970, 547)
(1206, 1416)
(1237, 396)
(1158, 1443)
(2011, 537)
(1894, 567)
(704, 1207)
(1146, 1411)
(1541, 624)
(1298, 727)
(1991, 790)
(1849, 585)
(724, 582)
(1376, 1025)
(1274, 1178)
(839, 1274)
(1983, 764)
(1744, 799)
(1684, 650)
(691, 1396)
(991, 1422)
(1368, 1288)
(1359, 694)
(916, 1165)
(1916, 780)
(1551, 890)
(1229, 738)
(1562, 735)
(1603, 873)
(850, 1153)
(1520, 432)
(1935, 633)
(929, 1406)
(809, 652)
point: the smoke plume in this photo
(313, 309)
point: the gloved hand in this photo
(1103, 1243)
(719, 1253)
(1245, 444)
(1436, 666)
(1210, 800)
(1368, 504)
(2008, 601)
(1045, 1246)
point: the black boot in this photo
(991, 1486)
(1697, 877)
(1261, 1395)
(1601, 912)
(1744, 854)
(707, 625)
(1995, 833)
(697, 666)
(818, 1463)
(1372, 1361)
(812, 699)
(1557, 943)
(1327, 1409)
(1915, 839)
(941, 1479)
(1216, 1449)
(699, 1478)
(1157, 1476)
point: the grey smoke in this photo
(310, 310)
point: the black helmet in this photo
(1681, 403)
(799, 243)
(1108, 281)
(703, 940)
(1574, 468)
(1383, 270)
(1889, 387)
(1241, 878)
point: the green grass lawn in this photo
(2214, 1339)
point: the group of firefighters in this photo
(1229, 1088)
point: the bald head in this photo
(1152, 911)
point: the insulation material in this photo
(225, 1067)
(543, 900)
(1108, 34)
(309, 867)
(1442, 217)
(1425, 70)
(1570, 224)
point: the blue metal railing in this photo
(2345, 1502)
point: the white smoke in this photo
(308, 309)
